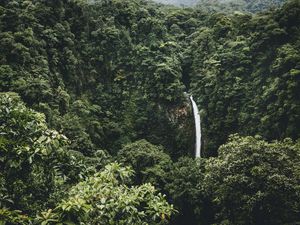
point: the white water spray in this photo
(197, 127)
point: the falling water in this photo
(197, 127)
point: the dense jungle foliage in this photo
(96, 128)
(227, 5)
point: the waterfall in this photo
(197, 127)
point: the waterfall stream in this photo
(197, 127)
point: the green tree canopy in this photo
(104, 198)
(149, 161)
(30, 153)
(255, 182)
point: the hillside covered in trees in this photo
(252, 6)
(96, 128)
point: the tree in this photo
(185, 188)
(30, 154)
(255, 182)
(104, 198)
(148, 160)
